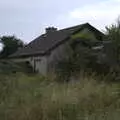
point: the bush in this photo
(81, 58)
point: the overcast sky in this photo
(27, 19)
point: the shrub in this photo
(81, 57)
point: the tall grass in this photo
(39, 98)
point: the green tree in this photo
(81, 57)
(10, 45)
(113, 34)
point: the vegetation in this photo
(79, 59)
(113, 34)
(82, 57)
(39, 98)
(84, 34)
(10, 45)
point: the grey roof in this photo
(46, 42)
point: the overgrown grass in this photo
(38, 98)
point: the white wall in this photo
(39, 63)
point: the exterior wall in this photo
(38, 63)
(56, 55)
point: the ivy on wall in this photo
(86, 34)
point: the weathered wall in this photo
(38, 63)
(56, 55)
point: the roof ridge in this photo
(44, 34)
(74, 26)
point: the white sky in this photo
(27, 19)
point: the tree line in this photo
(10, 44)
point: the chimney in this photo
(50, 29)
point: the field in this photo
(33, 97)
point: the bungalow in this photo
(46, 50)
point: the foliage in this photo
(81, 57)
(113, 34)
(10, 45)
(37, 98)
(84, 34)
